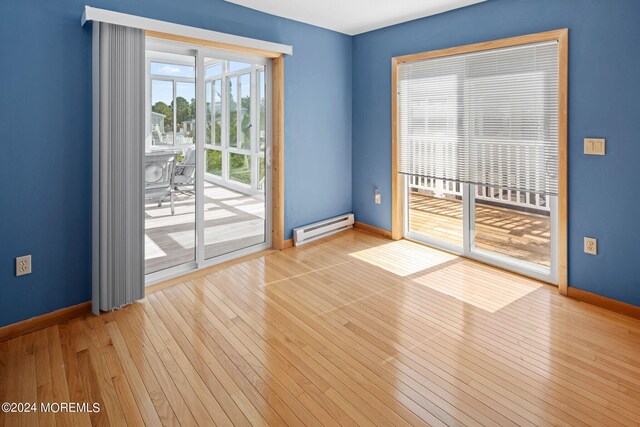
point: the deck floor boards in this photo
(521, 235)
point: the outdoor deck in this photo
(524, 236)
(232, 221)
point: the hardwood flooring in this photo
(521, 235)
(351, 330)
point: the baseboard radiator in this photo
(322, 229)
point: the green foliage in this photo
(246, 122)
(261, 172)
(184, 111)
(218, 131)
(214, 162)
(162, 108)
(240, 168)
(233, 128)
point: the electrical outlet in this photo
(377, 196)
(590, 246)
(23, 265)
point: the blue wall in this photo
(604, 101)
(45, 105)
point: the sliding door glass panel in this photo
(245, 111)
(217, 112)
(236, 66)
(235, 171)
(435, 210)
(161, 112)
(185, 113)
(208, 118)
(232, 107)
(214, 162)
(262, 129)
(169, 68)
(213, 70)
(261, 173)
(240, 168)
(262, 105)
(169, 169)
(512, 224)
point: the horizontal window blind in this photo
(488, 118)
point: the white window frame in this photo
(173, 81)
(253, 151)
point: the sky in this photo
(163, 90)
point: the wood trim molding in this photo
(396, 179)
(562, 37)
(277, 156)
(478, 47)
(44, 321)
(216, 45)
(563, 150)
(372, 229)
(287, 244)
(604, 302)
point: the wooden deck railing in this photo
(520, 199)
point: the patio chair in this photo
(158, 178)
(184, 177)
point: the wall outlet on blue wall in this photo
(590, 246)
(23, 265)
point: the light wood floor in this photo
(350, 330)
(522, 235)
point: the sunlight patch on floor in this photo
(486, 288)
(403, 258)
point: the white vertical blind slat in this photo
(488, 118)
(121, 179)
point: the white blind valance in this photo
(487, 118)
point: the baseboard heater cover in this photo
(322, 229)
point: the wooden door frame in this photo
(277, 123)
(562, 37)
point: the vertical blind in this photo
(488, 118)
(119, 279)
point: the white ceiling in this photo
(354, 16)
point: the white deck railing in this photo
(441, 188)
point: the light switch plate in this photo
(594, 146)
(23, 265)
(590, 246)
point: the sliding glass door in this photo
(235, 179)
(510, 229)
(512, 225)
(170, 215)
(478, 140)
(435, 211)
(207, 193)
